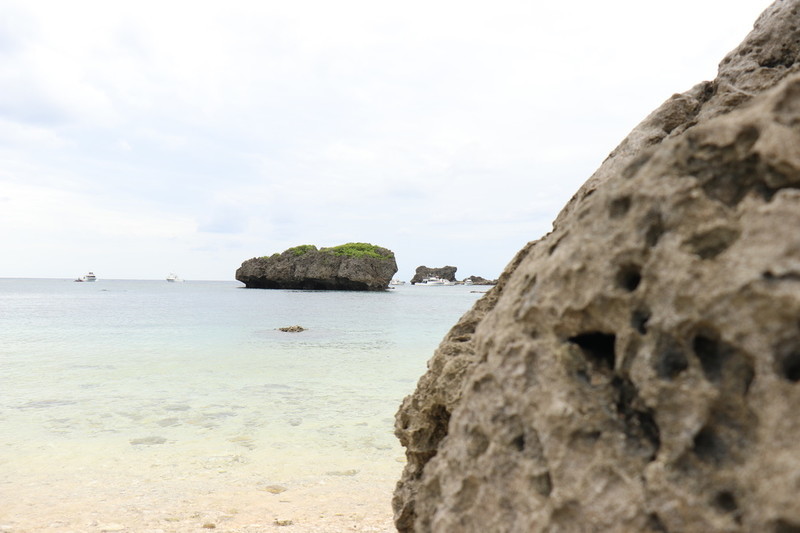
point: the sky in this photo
(142, 138)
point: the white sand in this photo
(156, 500)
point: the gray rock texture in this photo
(422, 272)
(638, 368)
(307, 268)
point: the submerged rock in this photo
(638, 368)
(348, 267)
(292, 329)
(274, 489)
(447, 273)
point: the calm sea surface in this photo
(149, 380)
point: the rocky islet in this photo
(350, 267)
(447, 273)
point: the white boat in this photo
(173, 277)
(397, 282)
(88, 277)
(434, 281)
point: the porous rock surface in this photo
(638, 368)
(445, 272)
(319, 270)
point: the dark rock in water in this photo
(342, 473)
(447, 273)
(292, 329)
(477, 280)
(638, 368)
(348, 267)
(274, 489)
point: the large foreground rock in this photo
(638, 369)
(349, 267)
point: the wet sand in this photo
(92, 502)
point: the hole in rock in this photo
(710, 244)
(439, 419)
(589, 436)
(655, 229)
(633, 168)
(711, 357)
(722, 363)
(725, 502)
(670, 359)
(729, 173)
(778, 61)
(478, 443)
(530, 283)
(519, 443)
(484, 382)
(708, 447)
(629, 277)
(555, 245)
(639, 320)
(619, 207)
(543, 484)
(566, 514)
(597, 347)
(788, 276)
(785, 526)
(655, 524)
(746, 138)
(790, 366)
(640, 424)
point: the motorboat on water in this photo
(88, 277)
(397, 282)
(173, 277)
(434, 281)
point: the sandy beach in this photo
(172, 488)
(343, 501)
(113, 485)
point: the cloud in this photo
(209, 133)
(223, 221)
(27, 134)
(47, 209)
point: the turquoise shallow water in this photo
(113, 377)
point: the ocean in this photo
(126, 405)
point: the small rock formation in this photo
(477, 280)
(292, 329)
(348, 267)
(447, 273)
(638, 368)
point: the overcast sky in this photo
(140, 138)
